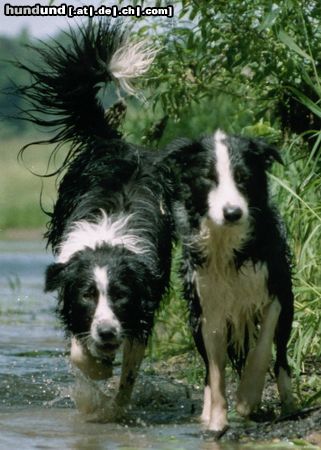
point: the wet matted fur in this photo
(111, 227)
(236, 267)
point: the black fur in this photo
(104, 173)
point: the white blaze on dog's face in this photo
(226, 203)
(105, 329)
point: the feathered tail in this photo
(64, 88)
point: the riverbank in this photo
(22, 234)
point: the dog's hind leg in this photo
(133, 353)
(252, 381)
(281, 368)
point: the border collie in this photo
(111, 227)
(236, 268)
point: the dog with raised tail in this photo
(236, 268)
(111, 226)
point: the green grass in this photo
(20, 189)
(299, 198)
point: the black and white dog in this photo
(111, 227)
(236, 267)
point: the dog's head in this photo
(101, 293)
(222, 177)
(238, 186)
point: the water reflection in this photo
(63, 428)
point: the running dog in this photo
(111, 227)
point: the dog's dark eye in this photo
(90, 294)
(120, 303)
(240, 176)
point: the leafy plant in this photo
(249, 50)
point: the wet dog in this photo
(236, 267)
(111, 227)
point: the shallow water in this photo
(36, 411)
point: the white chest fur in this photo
(228, 295)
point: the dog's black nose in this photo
(232, 213)
(107, 333)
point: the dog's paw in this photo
(87, 395)
(243, 408)
(108, 413)
(214, 435)
(247, 406)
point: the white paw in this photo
(217, 423)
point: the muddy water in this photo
(36, 411)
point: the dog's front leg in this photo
(93, 368)
(133, 353)
(215, 344)
(252, 382)
(110, 411)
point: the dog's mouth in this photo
(104, 350)
(108, 347)
(239, 223)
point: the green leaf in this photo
(269, 19)
(295, 195)
(314, 398)
(193, 13)
(289, 42)
(306, 101)
(312, 83)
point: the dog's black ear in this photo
(188, 159)
(54, 276)
(268, 152)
